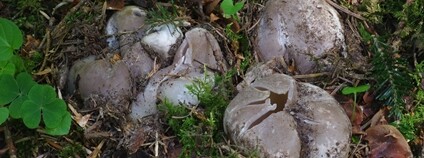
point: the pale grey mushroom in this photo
(160, 39)
(126, 28)
(304, 32)
(101, 82)
(284, 118)
(199, 52)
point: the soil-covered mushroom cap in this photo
(201, 49)
(127, 22)
(284, 118)
(161, 39)
(102, 81)
(198, 52)
(303, 32)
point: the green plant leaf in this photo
(25, 83)
(10, 39)
(359, 89)
(230, 9)
(42, 94)
(9, 89)
(64, 126)
(31, 114)
(17, 61)
(4, 114)
(53, 113)
(7, 67)
(42, 101)
(15, 107)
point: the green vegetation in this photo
(230, 9)
(410, 123)
(72, 150)
(20, 95)
(355, 90)
(27, 15)
(160, 15)
(397, 41)
(200, 129)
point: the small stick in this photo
(311, 75)
(9, 142)
(345, 10)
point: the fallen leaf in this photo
(355, 115)
(378, 118)
(31, 45)
(115, 4)
(385, 141)
(211, 6)
(136, 140)
(213, 17)
(368, 98)
(82, 121)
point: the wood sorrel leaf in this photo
(25, 83)
(64, 126)
(10, 39)
(231, 9)
(4, 114)
(9, 89)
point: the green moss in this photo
(72, 150)
(200, 129)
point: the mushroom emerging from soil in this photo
(199, 52)
(308, 33)
(284, 118)
(139, 45)
(101, 82)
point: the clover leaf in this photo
(64, 126)
(230, 9)
(25, 83)
(7, 67)
(4, 114)
(42, 101)
(9, 90)
(10, 39)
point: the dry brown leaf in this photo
(235, 26)
(368, 98)
(378, 118)
(136, 140)
(355, 116)
(387, 142)
(213, 17)
(31, 44)
(82, 121)
(115, 4)
(211, 6)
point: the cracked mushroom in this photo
(284, 118)
(199, 54)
